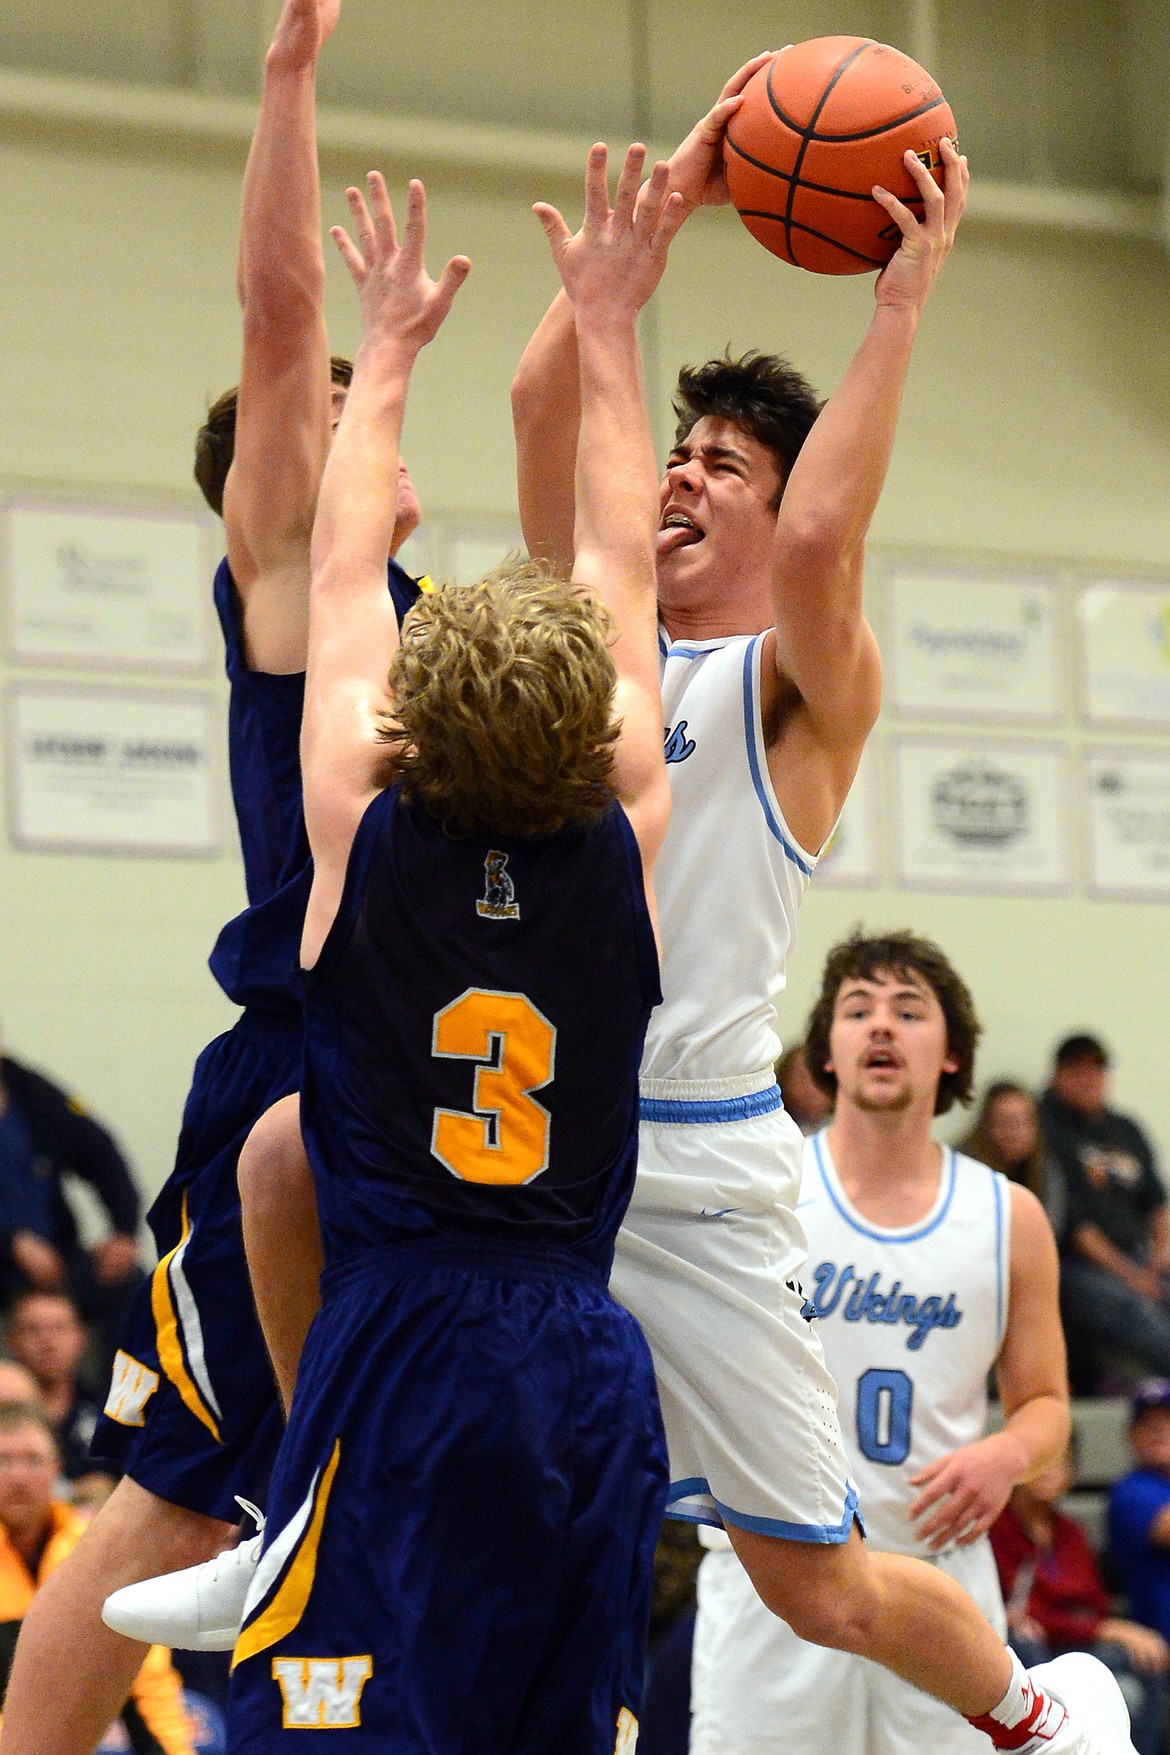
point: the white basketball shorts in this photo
(756, 1689)
(708, 1260)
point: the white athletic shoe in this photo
(1098, 1718)
(198, 1609)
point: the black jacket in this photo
(64, 1139)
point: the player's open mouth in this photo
(881, 1060)
(677, 530)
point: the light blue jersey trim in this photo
(818, 1533)
(684, 1110)
(749, 728)
(1000, 1307)
(950, 1171)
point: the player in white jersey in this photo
(925, 1271)
(771, 683)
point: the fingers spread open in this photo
(350, 254)
(596, 187)
(628, 184)
(414, 236)
(381, 213)
(652, 199)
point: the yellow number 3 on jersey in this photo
(506, 1140)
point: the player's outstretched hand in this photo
(961, 1494)
(696, 166)
(616, 260)
(303, 26)
(907, 278)
(401, 304)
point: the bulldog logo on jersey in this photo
(498, 901)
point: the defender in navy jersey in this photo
(464, 1510)
(192, 1413)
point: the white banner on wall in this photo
(113, 771)
(1129, 822)
(107, 585)
(982, 816)
(852, 857)
(1125, 641)
(963, 642)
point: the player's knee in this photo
(827, 1617)
(272, 1156)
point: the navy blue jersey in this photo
(474, 1028)
(256, 955)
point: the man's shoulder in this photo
(25, 1083)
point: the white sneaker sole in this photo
(1095, 1703)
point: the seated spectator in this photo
(45, 1133)
(17, 1384)
(1115, 1243)
(1056, 1600)
(46, 1336)
(1139, 1509)
(36, 1533)
(807, 1104)
(1006, 1135)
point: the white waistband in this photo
(706, 1090)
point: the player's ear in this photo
(951, 1063)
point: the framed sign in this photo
(965, 643)
(1125, 652)
(113, 771)
(107, 585)
(852, 856)
(1129, 822)
(982, 816)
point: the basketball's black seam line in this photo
(820, 188)
(886, 127)
(811, 231)
(846, 61)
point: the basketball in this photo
(819, 126)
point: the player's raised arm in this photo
(283, 404)
(353, 629)
(824, 648)
(545, 395)
(609, 270)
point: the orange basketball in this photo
(819, 126)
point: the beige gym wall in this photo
(1037, 423)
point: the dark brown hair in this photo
(215, 442)
(863, 958)
(759, 392)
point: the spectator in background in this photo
(46, 1337)
(1115, 1243)
(45, 1133)
(1139, 1509)
(1006, 1135)
(1056, 1600)
(36, 1533)
(17, 1384)
(805, 1101)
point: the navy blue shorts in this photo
(462, 1520)
(193, 1414)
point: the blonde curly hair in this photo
(502, 697)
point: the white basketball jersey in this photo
(911, 1322)
(730, 876)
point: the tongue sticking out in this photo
(675, 536)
